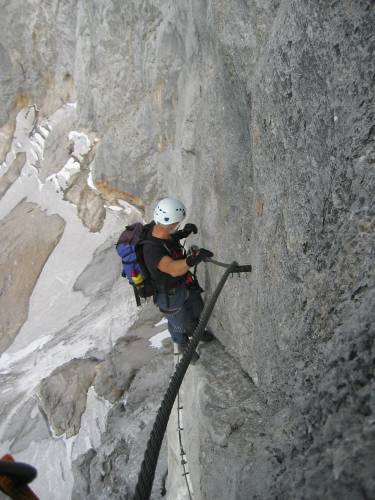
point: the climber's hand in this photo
(200, 255)
(188, 229)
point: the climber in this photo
(178, 294)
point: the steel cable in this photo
(147, 472)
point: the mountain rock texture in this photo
(259, 116)
(25, 231)
(63, 395)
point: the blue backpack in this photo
(129, 248)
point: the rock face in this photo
(37, 59)
(229, 453)
(57, 147)
(260, 117)
(111, 470)
(90, 205)
(134, 378)
(12, 174)
(28, 236)
(63, 395)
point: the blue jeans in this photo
(182, 310)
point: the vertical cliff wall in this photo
(259, 115)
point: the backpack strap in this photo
(131, 234)
(136, 295)
(141, 261)
(142, 243)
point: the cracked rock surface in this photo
(134, 378)
(63, 395)
(259, 116)
(26, 230)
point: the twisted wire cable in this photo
(147, 472)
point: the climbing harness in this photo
(147, 472)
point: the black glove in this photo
(200, 256)
(184, 233)
(190, 228)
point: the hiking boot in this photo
(181, 348)
(207, 336)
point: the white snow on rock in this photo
(22, 139)
(114, 208)
(61, 179)
(92, 425)
(9, 359)
(82, 144)
(62, 324)
(90, 181)
(157, 340)
(126, 206)
(163, 321)
(29, 137)
(50, 456)
(81, 147)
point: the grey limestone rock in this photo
(12, 173)
(91, 209)
(225, 421)
(57, 147)
(90, 204)
(63, 395)
(82, 474)
(102, 272)
(37, 49)
(129, 355)
(25, 231)
(37, 55)
(133, 378)
(260, 117)
(111, 471)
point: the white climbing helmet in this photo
(169, 211)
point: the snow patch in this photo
(81, 147)
(62, 178)
(81, 143)
(90, 181)
(9, 359)
(163, 321)
(126, 206)
(93, 423)
(30, 136)
(60, 324)
(114, 208)
(157, 340)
